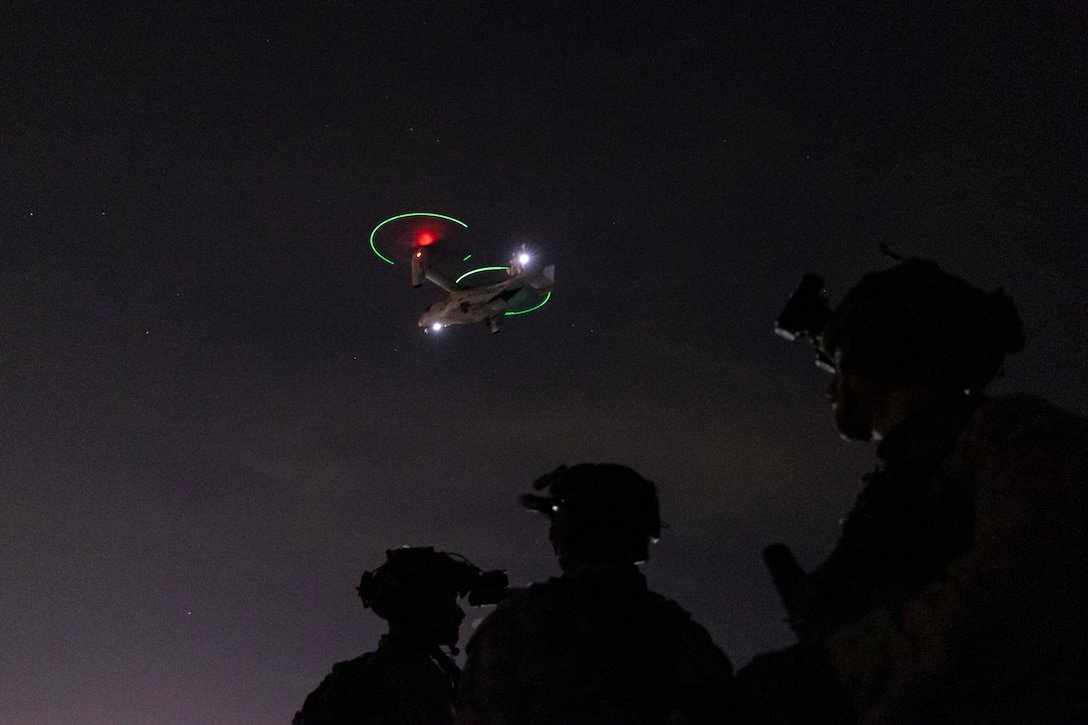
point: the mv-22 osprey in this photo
(525, 288)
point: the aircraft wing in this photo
(441, 281)
(507, 294)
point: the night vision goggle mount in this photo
(806, 315)
(424, 566)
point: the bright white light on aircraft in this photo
(436, 326)
(523, 258)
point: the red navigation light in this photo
(419, 253)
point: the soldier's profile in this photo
(593, 645)
(410, 679)
(950, 553)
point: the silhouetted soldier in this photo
(968, 538)
(594, 645)
(409, 679)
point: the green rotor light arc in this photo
(403, 216)
(478, 269)
(547, 295)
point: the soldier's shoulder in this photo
(1012, 418)
(349, 673)
(527, 611)
(504, 620)
(358, 664)
(692, 648)
(664, 607)
(336, 691)
(1019, 432)
(1028, 462)
(532, 600)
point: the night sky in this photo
(216, 409)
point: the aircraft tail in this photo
(545, 279)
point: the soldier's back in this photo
(593, 650)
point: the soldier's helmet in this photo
(598, 509)
(414, 581)
(912, 323)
